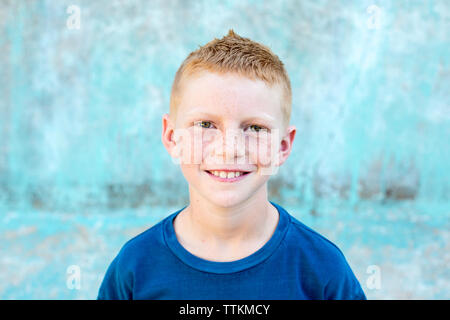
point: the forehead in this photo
(230, 95)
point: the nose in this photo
(232, 146)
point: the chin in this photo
(224, 201)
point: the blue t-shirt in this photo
(296, 263)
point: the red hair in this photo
(235, 54)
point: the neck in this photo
(247, 221)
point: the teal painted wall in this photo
(82, 167)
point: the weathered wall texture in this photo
(82, 168)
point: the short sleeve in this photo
(343, 284)
(116, 284)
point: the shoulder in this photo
(127, 266)
(325, 264)
(148, 242)
(313, 243)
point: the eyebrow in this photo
(262, 116)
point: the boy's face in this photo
(232, 123)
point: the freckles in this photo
(251, 147)
(204, 147)
(190, 147)
(264, 149)
(182, 149)
(259, 150)
(198, 146)
(208, 146)
(268, 151)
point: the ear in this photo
(167, 137)
(286, 144)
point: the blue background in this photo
(83, 169)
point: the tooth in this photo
(227, 175)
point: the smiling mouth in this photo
(241, 172)
(231, 178)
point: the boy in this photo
(230, 242)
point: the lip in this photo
(235, 179)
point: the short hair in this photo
(235, 54)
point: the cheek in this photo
(190, 173)
(197, 147)
(190, 148)
(257, 150)
(262, 151)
